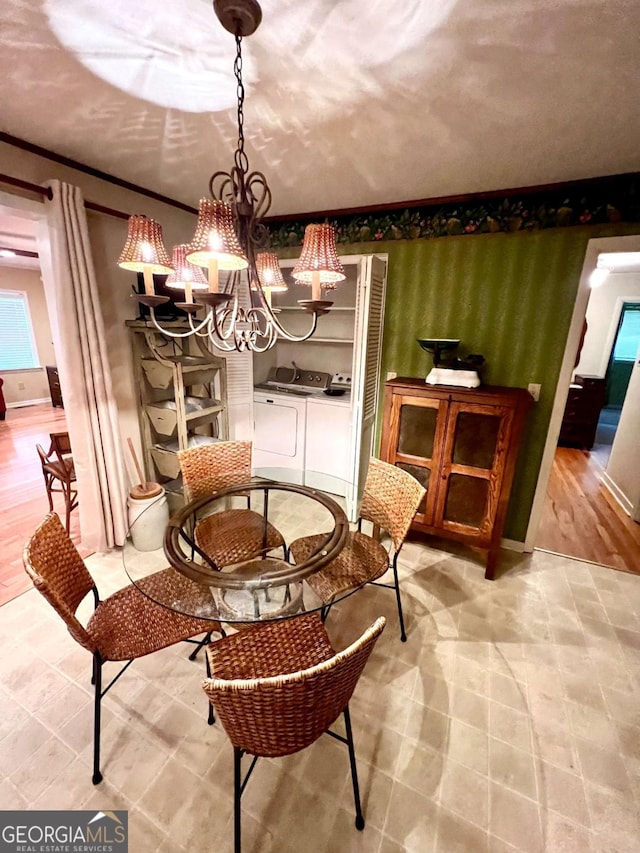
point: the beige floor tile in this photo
(468, 746)
(513, 768)
(345, 838)
(10, 796)
(563, 792)
(555, 745)
(602, 766)
(613, 815)
(508, 692)
(421, 768)
(144, 836)
(411, 820)
(456, 835)
(17, 748)
(71, 789)
(515, 819)
(591, 724)
(621, 708)
(469, 707)
(465, 793)
(42, 768)
(375, 793)
(428, 726)
(562, 836)
(509, 725)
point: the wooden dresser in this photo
(54, 386)
(461, 444)
(584, 403)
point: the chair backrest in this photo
(60, 444)
(285, 713)
(210, 467)
(58, 572)
(42, 453)
(391, 499)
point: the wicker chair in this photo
(391, 499)
(125, 626)
(232, 535)
(279, 687)
(58, 468)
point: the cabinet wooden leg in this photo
(492, 557)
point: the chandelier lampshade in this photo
(269, 272)
(318, 263)
(215, 238)
(144, 250)
(185, 276)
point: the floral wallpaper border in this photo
(594, 202)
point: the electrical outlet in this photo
(391, 374)
(534, 390)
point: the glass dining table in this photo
(226, 557)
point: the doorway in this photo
(584, 506)
(30, 417)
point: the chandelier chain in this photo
(241, 160)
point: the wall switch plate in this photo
(534, 390)
(391, 374)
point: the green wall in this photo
(509, 297)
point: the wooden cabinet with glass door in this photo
(461, 444)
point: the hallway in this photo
(581, 518)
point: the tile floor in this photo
(509, 721)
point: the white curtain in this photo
(85, 377)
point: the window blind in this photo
(17, 345)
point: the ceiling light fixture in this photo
(231, 236)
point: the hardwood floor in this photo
(581, 519)
(23, 500)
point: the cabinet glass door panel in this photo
(422, 475)
(476, 439)
(417, 430)
(467, 500)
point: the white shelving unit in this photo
(182, 400)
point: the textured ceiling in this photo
(348, 103)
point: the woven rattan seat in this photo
(232, 535)
(279, 687)
(125, 626)
(391, 499)
(361, 561)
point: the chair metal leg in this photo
(237, 793)
(205, 642)
(211, 717)
(403, 635)
(324, 611)
(97, 678)
(354, 771)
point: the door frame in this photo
(595, 247)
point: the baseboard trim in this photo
(512, 545)
(22, 403)
(617, 493)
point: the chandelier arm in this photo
(269, 334)
(196, 330)
(280, 330)
(170, 334)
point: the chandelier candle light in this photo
(231, 237)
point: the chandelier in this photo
(232, 237)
